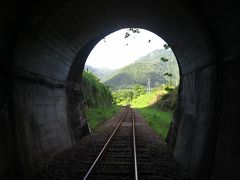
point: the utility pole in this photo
(148, 86)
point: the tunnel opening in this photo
(132, 65)
(41, 56)
(95, 81)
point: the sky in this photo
(114, 51)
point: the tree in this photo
(138, 90)
(164, 59)
(169, 74)
(131, 30)
(166, 46)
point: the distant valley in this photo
(99, 72)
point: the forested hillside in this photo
(151, 66)
(97, 99)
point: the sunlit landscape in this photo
(132, 67)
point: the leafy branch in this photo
(131, 30)
(164, 59)
(168, 74)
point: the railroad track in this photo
(118, 158)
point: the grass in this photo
(158, 120)
(98, 115)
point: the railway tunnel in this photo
(44, 46)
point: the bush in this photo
(125, 96)
(168, 101)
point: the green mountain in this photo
(150, 67)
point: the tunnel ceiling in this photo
(50, 40)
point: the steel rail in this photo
(104, 148)
(134, 146)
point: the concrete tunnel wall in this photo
(43, 50)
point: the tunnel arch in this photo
(55, 38)
(56, 46)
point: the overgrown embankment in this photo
(98, 100)
(167, 101)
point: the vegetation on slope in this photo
(98, 100)
(125, 96)
(94, 92)
(159, 119)
(167, 102)
(158, 113)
